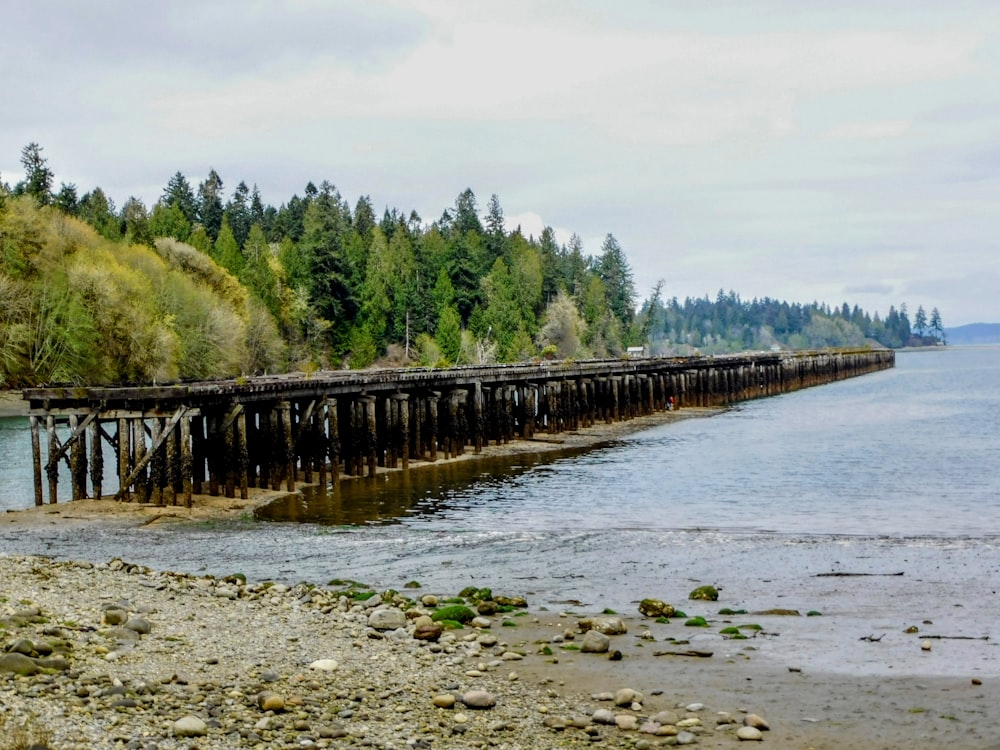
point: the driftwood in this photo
(871, 638)
(838, 574)
(689, 652)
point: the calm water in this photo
(892, 472)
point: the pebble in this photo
(190, 726)
(749, 733)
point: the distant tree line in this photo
(205, 284)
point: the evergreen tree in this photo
(135, 220)
(210, 207)
(226, 251)
(237, 213)
(66, 199)
(920, 321)
(178, 193)
(98, 210)
(169, 221)
(326, 223)
(614, 270)
(38, 178)
(449, 334)
(258, 273)
(937, 328)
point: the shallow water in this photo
(890, 473)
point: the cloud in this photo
(856, 289)
(867, 130)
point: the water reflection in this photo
(425, 490)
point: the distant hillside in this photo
(974, 333)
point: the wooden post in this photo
(403, 407)
(242, 454)
(197, 427)
(432, 423)
(36, 459)
(288, 443)
(187, 462)
(156, 462)
(172, 467)
(139, 458)
(123, 455)
(96, 460)
(371, 434)
(333, 438)
(52, 467)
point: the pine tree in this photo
(210, 208)
(38, 178)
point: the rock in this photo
(324, 665)
(482, 623)
(478, 699)
(664, 717)
(114, 616)
(757, 722)
(686, 738)
(429, 600)
(626, 722)
(487, 607)
(925, 646)
(387, 618)
(427, 631)
(22, 646)
(656, 608)
(138, 625)
(190, 726)
(603, 716)
(705, 593)
(270, 701)
(749, 733)
(555, 722)
(19, 664)
(627, 696)
(444, 700)
(595, 642)
(607, 624)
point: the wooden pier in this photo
(171, 442)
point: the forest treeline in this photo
(207, 284)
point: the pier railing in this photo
(173, 441)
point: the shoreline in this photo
(217, 649)
(108, 512)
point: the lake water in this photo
(894, 472)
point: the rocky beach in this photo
(117, 655)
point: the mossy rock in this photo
(467, 592)
(455, 612)
(361, 596)
(731, 630)
(608, 611)
(814, 613)
(454, 600)
(487, 607)
(750, 626)
(508, 624)
(697, 622)
(451, 624)
(704, 593)
(237, 578)
(511, 601)
(729, 612)
(656, 608)
(412, 585)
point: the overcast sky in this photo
(804, 150)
